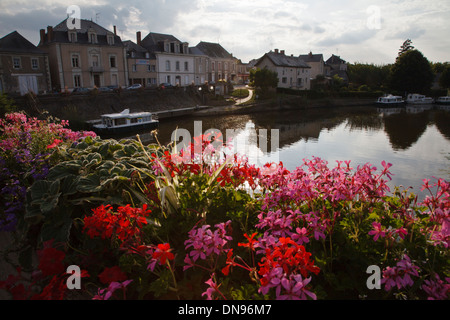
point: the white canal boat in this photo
(443, 100)
(390, 101)
(415, 98)
(125, 121)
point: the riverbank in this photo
(167, 104)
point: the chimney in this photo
(138, 38)
(42, 33)
(276, 50)
(115, 31)
(282, 51)
(49, 33)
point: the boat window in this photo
(120, 122)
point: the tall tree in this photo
(411, 73)
(406, 46)
(444, 80)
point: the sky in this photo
(361, 31)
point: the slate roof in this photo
(335, 60)
(282, 60)
(213, 50)
(16, 43)
(60, 33)
(154, 42)
(139, 50)
(311, 57)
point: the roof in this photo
(15, 42)
(60, 33)
(282, 60)
(213, 50)
(310, 57)
(335, 60)
(154, 41)
(139, 50)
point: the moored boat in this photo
(415, 98)
(390, 101)
(443, 100)
(125, 121)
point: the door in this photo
(27, 84)
(97, 80)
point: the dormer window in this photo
(72, 36)
(110, 40)
(92, 36)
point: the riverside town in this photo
(152, 169)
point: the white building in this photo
(293, 72)
(174, 63)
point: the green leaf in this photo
(57, 228)
(89, 184)
(49, 204)
(39, 189)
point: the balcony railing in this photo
(96, 69)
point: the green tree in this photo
(444, 80)
(6, 105)
(263, 80)
(411, 73)
(406, 46)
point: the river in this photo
(416, 140)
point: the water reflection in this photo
(415, 139)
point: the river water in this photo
(416, 140)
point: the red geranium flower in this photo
(113, 274)
(51, 261)
(163, 253)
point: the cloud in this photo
(249, 28)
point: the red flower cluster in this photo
(51, 266)
(113, 274)
(125, 224)
(291, 257)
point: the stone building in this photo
(23, 67)
(90, 56)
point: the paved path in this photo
(250, 95)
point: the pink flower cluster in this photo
(438, 205)
(204, 242)
(400, 275)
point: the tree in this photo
(263, 80)
(406, 46)
(444, 80)
(411, 73)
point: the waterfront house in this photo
(293, 72)
(90, 56)
(338, 67)
(221, 65)
(174, 63)
(23, 67)
(316, 62)
(141, 63)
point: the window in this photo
(134, 68)
(186, 66)
(72, 36)
(167, 65)
(177, 66)
(75, 61)
(93, 38)
(34, 63)
(213, 66)
(112, 62)
(284, 80)
(16, 63)
(95, 61)
(110, 40)
(76, 81)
